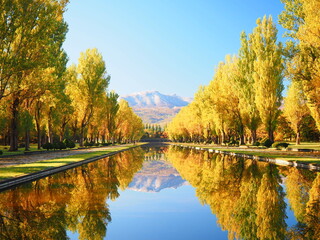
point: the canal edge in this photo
(14, 182)
(276, 161)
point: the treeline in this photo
(43, 101)
(244, 100)
(154, 131)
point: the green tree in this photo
(268, 73)
(301, 19)
(244, 81)
(295, 108)
(32, 33)
(111, 113)
(87, 89)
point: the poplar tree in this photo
(295, 108)
(268, 69)
(87, 89)
(112, 108)
(244, 87)
(301, 19)
(31, 37)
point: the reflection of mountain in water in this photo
(155, 176)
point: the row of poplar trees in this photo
(42, 99)
(246, 91)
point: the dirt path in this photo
(22, 159)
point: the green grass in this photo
(306, 145)
(23, 169)
(33, 148)
(5, 149)
(267, 153)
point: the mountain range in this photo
(156, 176)
(154, 107)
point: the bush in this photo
(97, 144)
(105, 144)
(61, 145)
(22, 145)
(257, 144)
(47, 146)
(266, 142)
(233, 143)
(1, 152)
(69, 143)
(280, 145)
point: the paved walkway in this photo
(21, 159)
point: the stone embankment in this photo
(277, 161)
(21, 159)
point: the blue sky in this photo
(171, 46)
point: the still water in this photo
(166, 193)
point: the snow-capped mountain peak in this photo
(154, 99)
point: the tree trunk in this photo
(14, 125)
(81, 136)
(50, 134)
(62, 129)
(254, 135)
(39, 135)
(38, 127)
(223, 137)
(27, 140)
(298, 138)
(270, 135)
(242, 142)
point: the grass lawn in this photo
(23, 169)
(306, 145)
(5, 149)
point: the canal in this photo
(166, 193)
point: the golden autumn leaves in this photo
(42, 100)
(245, 95)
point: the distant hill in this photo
(155, 107)
(155, 176)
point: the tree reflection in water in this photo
(247, 196)
(74, 200)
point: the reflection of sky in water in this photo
(169, 214)
(174, 212)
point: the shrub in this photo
(1, 152)
(22, 145)
(233, 143)
(47, 146)
(257, 144)
(266, 142)
(69, 143)
(280, 145)
(97, 144)
(86, 144)
(55, 145)
(61, 145)
(105, 144)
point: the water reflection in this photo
(156, 174)
(247, 196)
(74, 200)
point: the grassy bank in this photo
(23, 169)
(267, 153)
